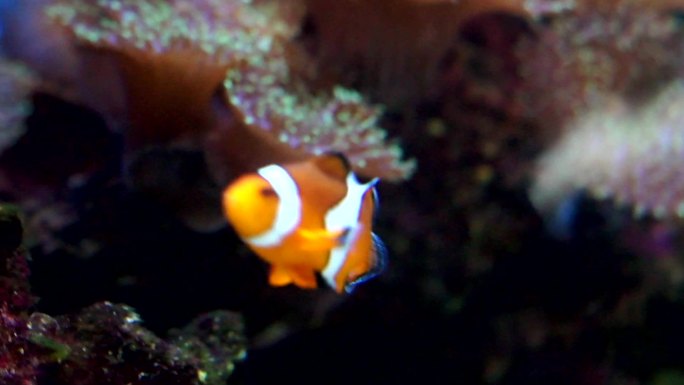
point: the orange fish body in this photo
(306, 218)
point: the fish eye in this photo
(268, 192)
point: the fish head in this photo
(250, 204)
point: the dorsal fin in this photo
(334, 164)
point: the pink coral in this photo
(582, 57)
(538, 8)
(606, 81)
(630, 153)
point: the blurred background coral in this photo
(531, 194)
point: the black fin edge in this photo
(380, 252)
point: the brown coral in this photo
(393, 48)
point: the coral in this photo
(626, 152)
(216, 31)
(109, 337)
(538, 8)
(392, 49)
(16, 84)
(19, 364)
(478, 290)
(599, 79)
(175, 55)
(15, 293)
(18, 358)
(104, 343)
(271, 98)
(212, 342)
(581, 58)
(169, 57)
(546, 8)
(388, 40)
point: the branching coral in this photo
(16, 84)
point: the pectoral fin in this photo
(321, 240)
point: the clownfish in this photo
(306, 218)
